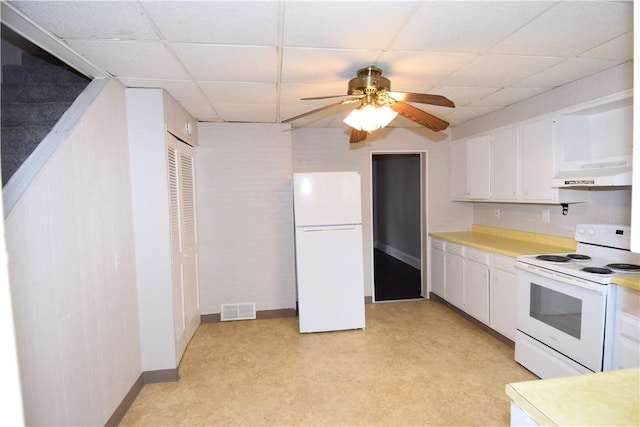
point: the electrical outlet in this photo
(546, 216)
(496, 213)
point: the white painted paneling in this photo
(75, 312)
(245, 216)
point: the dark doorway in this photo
(396, 226)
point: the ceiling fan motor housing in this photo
(369, 82)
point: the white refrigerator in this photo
(329, 266)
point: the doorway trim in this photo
(424, 185)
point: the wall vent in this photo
(244, 311)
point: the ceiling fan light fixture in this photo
(369, 117)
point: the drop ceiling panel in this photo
(346, 25)
(463, 95)
(567, 71)
(94, 20)
(500, 70)
(327, 66)
(229, 63)
(258, 113)
(255, 59)
(421, 71)
(203, 111)
(240, 92)
(509, 95)
(180, 90)
(131, 59)
(291, 93)
(620, 48)
(570, 28)
(458, 26)
(216, 22)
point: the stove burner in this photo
(597, 270)
(553, 258)
(579, 257)
(624, 267)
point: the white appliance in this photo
(564, 303)
(329, 258)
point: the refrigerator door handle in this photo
(330, 228)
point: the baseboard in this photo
(126, 403)
(147, 377)
(160, 376)
(262, 314)
(398, 254)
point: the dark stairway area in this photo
(35, 95)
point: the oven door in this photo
(557, 311)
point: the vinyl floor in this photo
(417, 363)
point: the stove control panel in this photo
(615, 236)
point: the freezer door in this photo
(327, 198)
(330, 278)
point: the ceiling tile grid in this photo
(252, 61)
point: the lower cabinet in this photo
(454, 275)
(479, 282)
(476, 301)
(437, 267)
(502, 298)
(626, 336)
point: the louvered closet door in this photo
(183, 241)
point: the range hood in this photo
(601, 174)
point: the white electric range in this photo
(562, 301)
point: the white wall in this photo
(607, 205)
(328, 149)
(245, 216)
(75, 312)
(150, 194)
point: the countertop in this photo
(514, 243)
(507, 242)
(609, 398)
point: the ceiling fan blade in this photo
(323, 97)
(422, 98)
(326, 107)
(357, 135)
(421, 117)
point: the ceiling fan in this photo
(379, 105)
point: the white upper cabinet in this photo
(504, 158)
(458, 176)
(478, 165)
(537, 159)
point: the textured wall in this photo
(245, 216)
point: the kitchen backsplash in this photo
(608, 206)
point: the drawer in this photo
(505, 263)
(437, 244)
(454, 248)
(478, 255)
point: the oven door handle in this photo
(570, 280)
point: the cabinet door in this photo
(183, 242)
(454, 273)
(458, 173)
(476, 293)
(478, 167)
(502, 303)
(537, 165)
(437, 272)
(504, 161)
